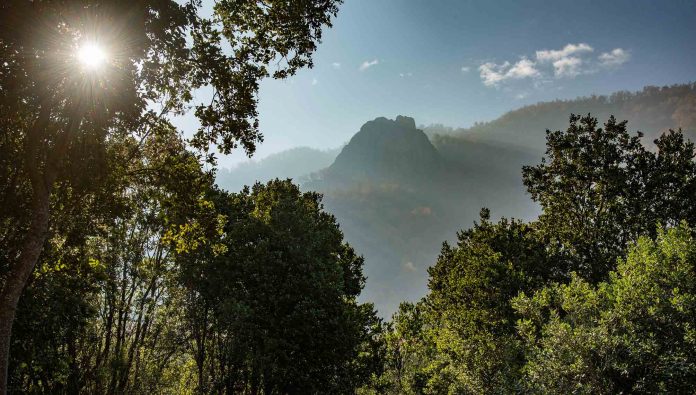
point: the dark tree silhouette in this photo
(59, 113)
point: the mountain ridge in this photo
(398, 193)
(384, 149)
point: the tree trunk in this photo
(19, 275)
(32, 245)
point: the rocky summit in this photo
(386, 149)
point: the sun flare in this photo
(91, 55)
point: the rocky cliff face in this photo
(385, 150)
(397, 197)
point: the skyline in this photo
(456, 63)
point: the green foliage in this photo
(53, 313)
(408, 351)
(469, 302)
(591, 326)
(588, 190)
(277, 310)
(632, 334)
(104, 296)
(600, 189)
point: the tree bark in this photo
(42, 179)
(32, 244)
(19, 275)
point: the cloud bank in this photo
(568, 62)
(615, 58)
(493, 74)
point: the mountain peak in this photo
(406, 122)
(387, 149)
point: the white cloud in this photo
(568, 62)
(336, 65)
(403, 75)
(466, 69)
(493, 74)
(550, 55)
(567, 67)
(314, 81)
(523, 69)
(367, 64)
(616, 57)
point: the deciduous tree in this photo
(74, 74)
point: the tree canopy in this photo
(146, 61)
(125, 269)
(595, 296)
(276, 309)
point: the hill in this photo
(397, 197)
(652, 111)
(385, 149)
(293, 163)
(399, 191)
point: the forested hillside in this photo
(294, 163)
(653, 111)
(398, 194)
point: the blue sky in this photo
(457, 62)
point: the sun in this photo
(91, 55)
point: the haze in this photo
(425, 59)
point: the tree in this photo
(58, 112)
(407, 353)
(601, 189)
(275, 309)
(136, 336)
(105, 296)
(588, 190)
(633, 333)
(471, 318)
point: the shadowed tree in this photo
(275, 311)
(76, 73)
(600, 189)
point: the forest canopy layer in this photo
(125, 269)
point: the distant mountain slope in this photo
(652, 111)
(385, 150)
(398, 191)
(397, 197)
(293, 163)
